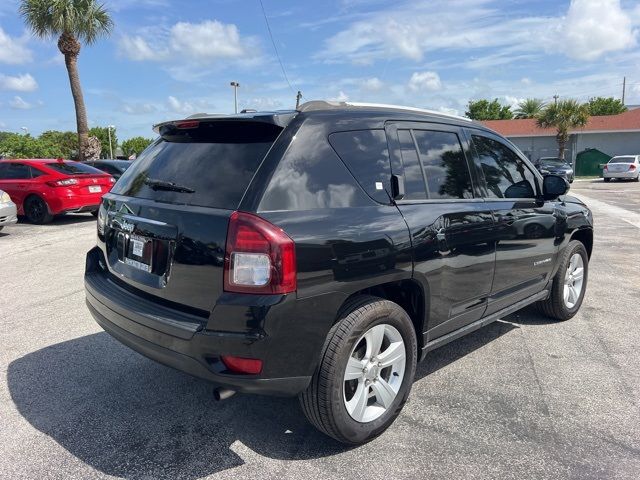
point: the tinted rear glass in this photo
(216, 160)
(367, 157)
(73, 168)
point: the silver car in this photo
(8, 210)
(623, 166)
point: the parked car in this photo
(115, 168)
(622, 167)
(44, 188)
(555, 166)
(8, 210)
(323, 252)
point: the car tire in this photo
(328, 402)
(36, 210)
(607, 179)
(637, 179)
(562, 303)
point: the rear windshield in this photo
(210, 165)
(622, 160)
(74, 168)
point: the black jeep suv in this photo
(322, 252)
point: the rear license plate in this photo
(139, 253)
(95, 189)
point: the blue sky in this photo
(169, 58)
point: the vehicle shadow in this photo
(451, 352)
(69, 218)
(130, 417)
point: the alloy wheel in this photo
(573, 280)
(374, 373)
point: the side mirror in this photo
(553, 186)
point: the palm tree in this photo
(72, 21)
(563, 116)
(529, 108)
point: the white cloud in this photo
(209, 40)
(136, 48)
(192, 44)
(341, 97)
(139, 108)
(421, 81)
(14, 50)
(188, 107)
(372, 84)
(19, 103)
(21, 83)
(411, 30)
(594, 27)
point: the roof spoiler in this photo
(279, 118)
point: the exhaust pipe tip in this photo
(222, 393)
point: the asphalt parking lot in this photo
(521, 398)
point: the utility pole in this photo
(624, 87)
(555, 98)
(298, 97)
(235, 86)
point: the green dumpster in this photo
(589, 161)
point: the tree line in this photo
(562, 115)
(533, 107)
(57, 144)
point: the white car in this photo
(623, 166)
(7, 210)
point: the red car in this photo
(44, 188)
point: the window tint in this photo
(14, 171)
(445, 166)
(413, 179)
(366, 155)
(35, 173)
(73, 168)
(506, 174)
(310, 176)
(216, 160)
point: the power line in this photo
(266, 20)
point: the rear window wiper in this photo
(170, 186)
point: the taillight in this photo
(112, 180)
(250, 366)
(632, 167)
(259, 257)
(63, 183)
(605, 167)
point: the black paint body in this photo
(451, 262)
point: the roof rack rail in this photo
(329, 105)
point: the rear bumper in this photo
(182, 341)
(630, 175)
(74, 203)
(8, 214)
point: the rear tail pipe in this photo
(222, 393)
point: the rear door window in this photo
(213, 162)
(445, 167)
(414, 183)
(505, 173)
(366, 155)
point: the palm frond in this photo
(86, 20)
